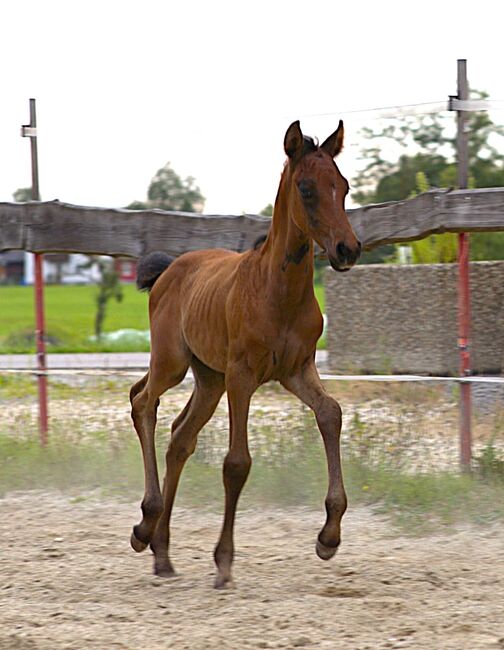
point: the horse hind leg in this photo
(209, 387)
(144, 397)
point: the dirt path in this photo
(69, 580)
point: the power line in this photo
(436, 105)
(403, 110)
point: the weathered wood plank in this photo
(59, 227)
(436, 211)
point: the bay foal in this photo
(240, 320)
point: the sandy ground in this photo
(68, 579)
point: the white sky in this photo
(123, 87)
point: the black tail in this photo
(150, 268)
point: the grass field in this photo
(70, 312)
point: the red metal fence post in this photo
(30, 131)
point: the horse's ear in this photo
(334, 143)
(293, 141)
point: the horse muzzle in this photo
(344, 257)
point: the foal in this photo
(240, 320)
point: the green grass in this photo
(320, 295)
(416, 503)
(70, 312)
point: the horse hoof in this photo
(222, 582)
(325, 552)
(164, 572)
(136, 544)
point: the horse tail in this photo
(149, 269)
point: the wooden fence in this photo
(50, 227)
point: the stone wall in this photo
(387, 318)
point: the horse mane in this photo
(259, 242)
(309, 145)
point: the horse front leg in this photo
(240, 387)
(308, 387)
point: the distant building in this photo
(127, 268)
(17, 267)
(12, 265)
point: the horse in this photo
(239, 320)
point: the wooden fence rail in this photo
(50, 227)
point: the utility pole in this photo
(30, 131)
(464, 297)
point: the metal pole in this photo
(464, 297)
(31, 132)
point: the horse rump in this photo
(149, 269)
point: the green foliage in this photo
(434, 249)
(267, 211)
(109, 288)
(23, 195)
(167, 191)
(431, 139)
(490, 463)
(379, 255)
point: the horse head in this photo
(316, 195)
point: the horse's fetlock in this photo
(153, 506)
(223, 555)
(336, 505)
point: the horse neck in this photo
(288, 252)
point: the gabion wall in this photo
(388, 318)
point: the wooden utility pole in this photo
(464, 299)
(30, 131)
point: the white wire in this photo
(474, 379)
(421, 108)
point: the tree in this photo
(167, 191)
(267, 211)
(109, 287)
(394, 177)
(22, 195)
(434, 249)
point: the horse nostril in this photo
(341, 250)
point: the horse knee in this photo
(140, 406)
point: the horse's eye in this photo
(306, 191)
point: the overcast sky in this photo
(123, 87)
